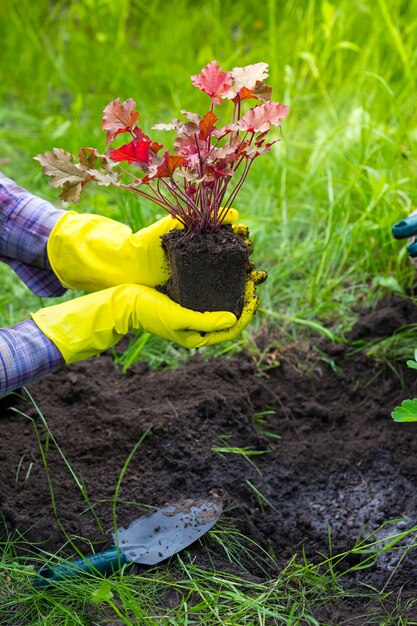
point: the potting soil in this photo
(208, 270)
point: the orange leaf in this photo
(245, 94)
(207, 125)
(155, 147)
(169, 165)
(261, 91)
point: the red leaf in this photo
(187, 145)
(213, 82)
(186, 129)
(254, 151)
(226, 130)
(139, 134)
(224, 153)
(260, 118)
(207, 125)
(119, 117)
(193, 117)
(134, 152)
(218, 170)
(174, 125)
(168, 166)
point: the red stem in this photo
(153, 198)
(238, 187)
(180, 194)
(199, 154)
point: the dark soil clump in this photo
(332, 455)
(208, 270)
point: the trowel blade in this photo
(156, 537)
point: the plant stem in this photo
(152, 197)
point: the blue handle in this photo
(405, 228)
(412, 248)
(104, 562)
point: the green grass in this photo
(320, 208)
(184, 592)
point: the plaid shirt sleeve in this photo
(25, 355)
(25, 224)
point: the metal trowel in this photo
(147, 540)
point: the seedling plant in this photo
(192, 182)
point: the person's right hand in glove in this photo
(88, 325)
(92, 252)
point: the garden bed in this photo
(332, 457)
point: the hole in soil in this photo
(336, 460)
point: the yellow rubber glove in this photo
(91, 252)
(93, 323)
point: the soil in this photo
(336, 458)
(208, 270)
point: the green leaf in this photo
(102, 594)
(407, 412)
(389, 282)
(412, 364)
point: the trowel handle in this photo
(104, 562)
(405, 228)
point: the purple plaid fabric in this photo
(25, 355)
(25, 224)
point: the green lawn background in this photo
(320, 206)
